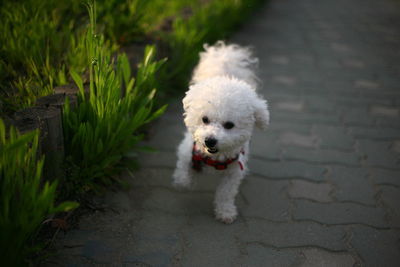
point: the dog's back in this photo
(226, 60)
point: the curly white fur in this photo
(222, 90)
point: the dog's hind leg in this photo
(225, 208)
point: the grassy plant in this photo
(103, 127)
(34, 37)
(25, 199)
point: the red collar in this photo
(198, 160)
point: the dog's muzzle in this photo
(210, 144)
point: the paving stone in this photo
(339, 213)
(388, 122)
(317, 104)
(385, 111)
(290, 106)
(378, 154)
(156, 239)
(285, 80)
(207, 242)
(288, 170)
(164, 159)
(357, 116)
(265, 199)
(299, 128)
(260, 256)
(295, 234)
(305, 117)
(314, 191)
(376, 247)
(333, 137)
(265, 145)
(181, 203)
(322, 156)
(391, 198)
(366, 84)
(292, 138)
(315, 257)
(375, 133)
(396, 146)
(339, 47)
(353, 63)
(352, 184)
(382, 176)
(280, 59)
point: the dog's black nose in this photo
(210, 142)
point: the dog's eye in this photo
(205, 120)
(229, 125)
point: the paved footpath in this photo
(324, 188)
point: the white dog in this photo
(221, 108)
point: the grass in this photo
(103, 127)
(26, 199)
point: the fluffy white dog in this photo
(221, 108)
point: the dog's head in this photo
(221, 112)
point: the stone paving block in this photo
(378, 154)
(265, 145)
(293, 138)
(258, 255)
(294, 106)
(382, 177)
(151, 177)
(316, 104)
(185, 202)
(315, 257)
(333, 137)
(303, 117)
(265, 198)
(287, 170)
(357, 116)
(376, 247)
(390, 196)
(352, 184)
(294, 234)
(207, 242)
(339, 213)
(280, 126)
(156, 239)
(395, 146)
(321, 156)
(375, 133)
(388, 122)
(164, 159)
(366, 84)
(354, 63)
(387, 111)
(319, 192)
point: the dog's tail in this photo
(227, 60)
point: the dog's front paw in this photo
(226, 216)
(181, 180)
(227, 220)
(181, 184)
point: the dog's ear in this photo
(261, 113)
(187, 100)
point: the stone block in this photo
(352, 184)
(339, 213)
(265, 199)
(287, 170)
(319, 192)
(376, 247)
